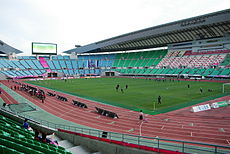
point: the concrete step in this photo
(79, 150)
(65, 144)
(71, 147)
(53, 137)
(97, 153)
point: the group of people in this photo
(33, 91)
(122, 90)
(39, 136)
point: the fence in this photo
(159, 143)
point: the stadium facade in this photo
(197, 47)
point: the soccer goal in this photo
(226, 88)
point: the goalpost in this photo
(226, 88)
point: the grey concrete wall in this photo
(100, 146)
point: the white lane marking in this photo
(140, 127)
(132, 129)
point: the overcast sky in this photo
(80, 22)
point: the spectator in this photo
(43, 139)
(36, 137)
(26, 125)
(51, 140)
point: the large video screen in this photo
(44, 48)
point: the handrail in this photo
(160, 143)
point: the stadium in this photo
(175, 76)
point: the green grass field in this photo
(141, 93)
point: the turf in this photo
(140, 94)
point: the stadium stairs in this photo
(79, 149)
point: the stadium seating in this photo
(139, 59)
(158, 62)
(191, 61)
(226, 61)
(15, 139)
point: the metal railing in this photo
(158, 143)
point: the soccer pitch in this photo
(140, 94)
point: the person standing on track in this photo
(141, 115)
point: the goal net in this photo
(226, 88)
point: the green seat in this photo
(44, 145)
(4, 133)
(50, 151)
(18, 146)
(60, 147)
(52, 148)
(3, 118)
(52, 145)
(23, 139)
(6, 150)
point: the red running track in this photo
(211, 126)
(7, 98)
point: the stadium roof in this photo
(6, 49)
(206, 26)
